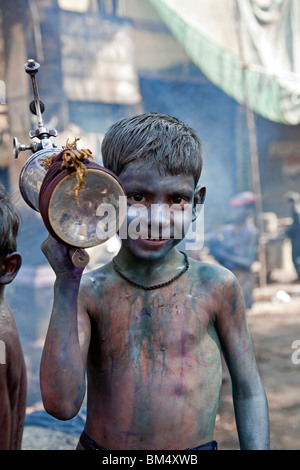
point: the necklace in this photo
(157, 286)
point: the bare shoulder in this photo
(223, 294)
(98, 278)
(8, 329)
(212, 274)
(97, 283)
(101, 283)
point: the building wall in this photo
(125, 39)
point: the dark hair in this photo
(162, 140)
(9, 225)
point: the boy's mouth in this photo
(156, 239)
(154, 242)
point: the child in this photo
(12, 366)
(149, 326)
(236, 246)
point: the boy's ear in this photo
(9, 267)
(199, 199)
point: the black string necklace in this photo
(157, 286)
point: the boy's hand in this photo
(60, 257)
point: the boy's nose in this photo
(159, 220)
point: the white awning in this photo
(248, 48)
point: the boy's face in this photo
(159, 210)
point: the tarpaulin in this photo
(248, 48)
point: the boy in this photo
(236, 246)
(12, 365)
(148, 327)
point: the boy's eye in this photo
(179, 200)
(137, 197)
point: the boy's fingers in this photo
(55, 252)
(45, 244)
(51, 248)
(50, 243)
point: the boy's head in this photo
(158, 161)
(160, 140)
(10, 261)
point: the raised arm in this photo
(62, 373)
(250, 404)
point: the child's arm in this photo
(250, 404)
(62, 373)
(5, 411)
(12, 389)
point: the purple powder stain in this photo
(184, 355)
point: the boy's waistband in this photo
(86, 443)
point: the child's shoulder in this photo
(7, 321)
(9, 336)
(216, 282)
(212, 272)
(98, 277)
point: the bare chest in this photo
(148, 327)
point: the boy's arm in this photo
(250, 404)
(63, 362)
(5, 411)
(12, 394)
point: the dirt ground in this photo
(274, 323)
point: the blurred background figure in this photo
(235, 247)
(293, 231)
